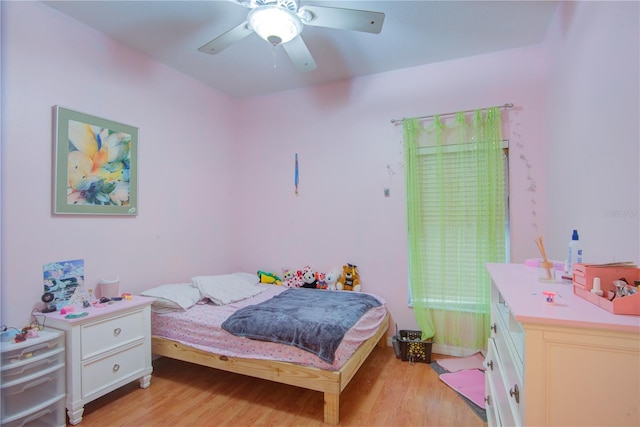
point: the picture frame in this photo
(95, 169)
(64, 282)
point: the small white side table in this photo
(106, 349)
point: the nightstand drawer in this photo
(98, 337)
(101, 373)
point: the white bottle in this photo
(596, 289)
(575, 252)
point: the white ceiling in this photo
(414, 33)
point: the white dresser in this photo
(33, 381)
(106, 349)
(567, 364)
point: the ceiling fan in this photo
(280, 22)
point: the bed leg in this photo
(331, 408)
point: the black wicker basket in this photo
(413, 348)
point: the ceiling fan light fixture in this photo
(275, 24)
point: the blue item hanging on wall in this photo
(297, 176)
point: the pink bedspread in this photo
(199, 327)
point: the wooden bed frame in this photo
(331, 383)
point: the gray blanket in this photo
(311, 319)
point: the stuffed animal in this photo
(309, 277)
(331, 278)
(350, 279)
(269, 278)
(292, 279)
(321, 282)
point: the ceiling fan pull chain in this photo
(273, 52)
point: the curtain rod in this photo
(507, 105)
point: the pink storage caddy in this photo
(583, 275)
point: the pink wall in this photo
(347, 148)
(594, 138)
(184, 180)
(200, 215)
(189, 194)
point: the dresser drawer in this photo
(37, 361)
(19, 396)
(98, 337)
(51, 414)
(498, 394)
(101, 373)
(506, 336)
(491, 394)
(511, 329)
(28, 358)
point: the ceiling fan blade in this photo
(300, 55)
(222, 42)
(344, 19)
(244, 3)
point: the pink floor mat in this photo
(469, 383)
(460, 363)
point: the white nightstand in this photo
(106, 349)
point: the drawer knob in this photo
(490, 364)
(494, 328)
(487, 400)
(515, 393)
(117, 331)
(116, 368)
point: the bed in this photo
(192, 332)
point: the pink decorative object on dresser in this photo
(583, 279)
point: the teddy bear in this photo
(309, 277)
(292, 279)
(350, 279)
(331, 278)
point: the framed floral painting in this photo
(95, 167)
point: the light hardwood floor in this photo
(385, 392)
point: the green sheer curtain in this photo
(416, 232)
(455, 181)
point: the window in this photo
(450, 222)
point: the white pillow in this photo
(249, 277)
(177, 296)
(227, 288)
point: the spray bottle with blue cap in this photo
(575, 252)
